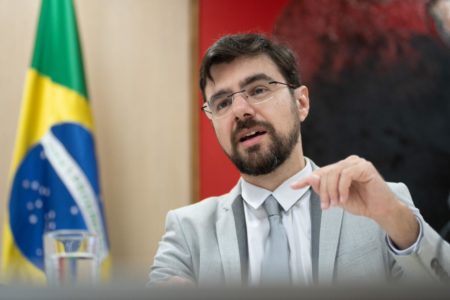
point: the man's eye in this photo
(259, 91)
(223, 104)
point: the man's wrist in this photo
(411, 249)
(401, 226)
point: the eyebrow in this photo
(242, 84)
(253, 78)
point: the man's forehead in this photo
(236, 72)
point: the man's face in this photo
(257, 137)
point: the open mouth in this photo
(251, 135)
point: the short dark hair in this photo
(230, 47)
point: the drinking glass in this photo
(71, 258)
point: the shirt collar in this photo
(254, 195)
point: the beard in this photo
(256, 161)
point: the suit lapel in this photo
(325, 233)
(227, 237)
(241, 234)
(316, 216)
(330, 230)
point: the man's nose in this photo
(241, 108)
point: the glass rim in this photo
(67, 233)
(206, 108)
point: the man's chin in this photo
(253, 149)
(253, 164)
(248, 151)
(255, 168)
(252, 154)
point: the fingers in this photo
(349, 174)
(345, 181)
(323, 192)
(318, 184)
(333, 182)
(313, 180)
(328, 187)
(333, 178)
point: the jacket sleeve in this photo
(173, 260)
(431, 259)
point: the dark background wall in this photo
(379, 78)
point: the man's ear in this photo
(302, 101)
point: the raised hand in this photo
(355, 185)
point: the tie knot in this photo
(271, 206)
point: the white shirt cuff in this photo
(411, 249)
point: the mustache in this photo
(248, 123)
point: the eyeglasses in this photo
(257, 93)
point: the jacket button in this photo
(434, 264)
(437, 268)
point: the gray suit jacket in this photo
(206, 243)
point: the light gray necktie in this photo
(275, 265)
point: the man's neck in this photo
(271, 181)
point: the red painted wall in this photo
(216, 18)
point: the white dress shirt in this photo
(296, 219)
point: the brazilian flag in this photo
(54, 178)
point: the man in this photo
(287, 221)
